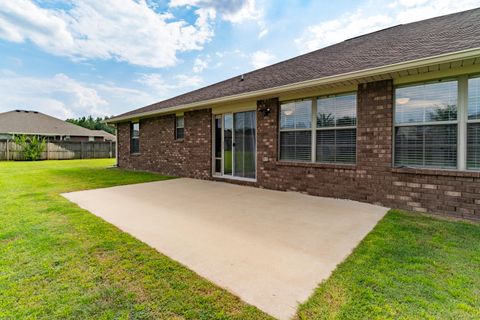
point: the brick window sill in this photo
(316, 165)
(136, 154)
(437, 172)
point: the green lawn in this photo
(59, 261)
(408, 267)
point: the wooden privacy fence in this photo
(62, 150)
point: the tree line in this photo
(93, 123)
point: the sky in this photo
(73, 58)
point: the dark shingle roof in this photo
(34, 122)
(402, 43)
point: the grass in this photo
(58, 261)
(408, 267)
(249, 162)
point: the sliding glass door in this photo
(227, 144)
(245, 144)
(235, 145)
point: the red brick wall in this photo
(159, 151)
(371, 180)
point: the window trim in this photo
(335, 128)
(313, 129)
(428, 123)
(419, 83)
(132, 123)
(177, 127)
(280, 130)
(468, 121)
(461, 122)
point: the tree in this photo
(325, 120)
(32, 147)
(449, 112)
(93, 123)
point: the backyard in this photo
(60, 261)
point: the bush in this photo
(32, 147)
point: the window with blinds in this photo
(295, 131)
(426, 146)
(179, 128)
(473, 124)
(135, 137)
(296, 145)
(426, 125)
(336, 129)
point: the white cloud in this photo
(376, 16)
(347, 26)
(234, 11)
(124, 30)
(414, 10)
(188, 81)
(263, 33)
(199, 65)
(411, 3)
(64, 97)
(164, 88)
(60, 96)
(261, 58)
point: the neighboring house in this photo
(36, 123)
(106, 135)
(391, 117)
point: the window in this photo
(426, 126)
(296, 131)
(336, 140)
(135, 137)
(473, 124)
(321, 129)
(179, 128)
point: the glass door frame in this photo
(221, 174)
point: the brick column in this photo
(197, 146)
(267, 138)
(374, 139)
(375, 125)
(123, 136)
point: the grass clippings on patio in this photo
(58, 261)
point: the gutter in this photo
(418, 63)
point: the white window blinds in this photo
(295, 131)
(426, 125)
(473, 124)
(336, 129)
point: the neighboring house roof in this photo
(106, 135)
(409, 42)
(34, 122)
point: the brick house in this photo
(391, 117)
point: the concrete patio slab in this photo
(268, 247)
